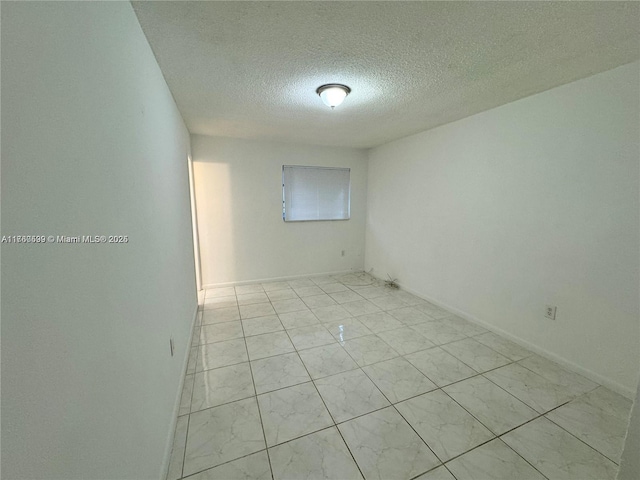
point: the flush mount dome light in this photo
(333, 94)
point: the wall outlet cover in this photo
(550, 311)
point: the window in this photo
(315, 193)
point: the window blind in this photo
(315, 193)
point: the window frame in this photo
(314, 167)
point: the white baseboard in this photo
(176, 406)
(277, 279)
(569, 365)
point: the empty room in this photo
(320, 240)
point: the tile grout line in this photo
(573, 434)
(495, 435)
(253, 382)
(509, 393)
(186, 436)
(359, 367)
(335, 424)
(191, 475)
(391, 404)
(325, 406)
(574, 397)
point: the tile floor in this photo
(340, 377)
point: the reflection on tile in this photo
(247, 289)
(398, 379)
(222, 385)
(177, 452)
(361, 307)
(439, 366)
(368, 350)
(350, 394)
(503, 346)
(537, 392)
(268, 345)
(405, 340)
(409, 316)
(478, 356)
(185, 396)
(261, 325)
(308, 291)
(220, 315)
(553, 372)
(347, 329)
(443, 424)
(386, 447)
(388, 302)
(405, 353)
(558, 454)
(298, 319)
(318, 301)
(327, 360)
(439, 332)
(292, 412)
(321, 455)
(330, 313)
(219, 332)
(251, 298)
(273, 286)
(311, 336)
(220, 434)
(286, 294)
(493, 460)
(221, 354)
(257, 310)
(490, 404)
(599, 418)
(278, 372)
(251, 467)
(379, 322)
(440, 473)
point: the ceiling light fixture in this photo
(333, 94)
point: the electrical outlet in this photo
(550, 311)
(171, 345)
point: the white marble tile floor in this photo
(340, 377)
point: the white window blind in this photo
(315, 193)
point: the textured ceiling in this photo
(250, 69)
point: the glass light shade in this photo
(333, 95)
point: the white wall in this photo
(92, 144)
(238, 186)
(532, 203)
